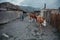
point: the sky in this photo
(35, 3)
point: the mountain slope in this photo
(11, 6)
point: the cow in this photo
(41, 20)
(32, 17)
(38, 18)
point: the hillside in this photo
(10, 6)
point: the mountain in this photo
(29, 8)
(11, 6)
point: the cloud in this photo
(35, 3)
(40, 3)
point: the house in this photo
(37, 12)
(3, 9)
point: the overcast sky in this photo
(35, 3)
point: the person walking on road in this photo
(21, 16)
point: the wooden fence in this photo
(55, 20)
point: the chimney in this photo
(44, 5)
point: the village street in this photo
(22, 30)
